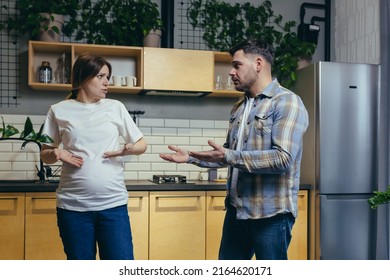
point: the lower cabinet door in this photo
(215, 207)
(216, 214)
(43, 241)
(11, 226)
(298, 249)
(138, 206)
(177, 225)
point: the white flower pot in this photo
(50, 35)
(153, 39)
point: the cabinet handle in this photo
(179, 196)
(217, 206)
(136, 196)
(9, 208)
(178, 204)
(48, 207)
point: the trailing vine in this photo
(28, 133)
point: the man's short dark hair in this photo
(255, 46)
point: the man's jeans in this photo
(267, 238)
(110, 229)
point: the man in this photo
(263, 150)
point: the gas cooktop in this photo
(171, 179)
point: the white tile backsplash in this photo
(189, 132)
(5, 147)
(5, 166)
(177, 123)
(202, 123)
(177, 140)
(17, 164)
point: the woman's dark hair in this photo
(86, 67)
(255, 46)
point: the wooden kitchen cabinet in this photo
(298, 249)
(42, 236)
(177, 69)
(156, 69)
(125, 61)
(12, 226)
(222, 67)
(43, 241)
(171, 225)
(138, 206)
(177, 225)
(215, 216)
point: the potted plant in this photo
(33, 16)
(226, 24)
(127, 23)
(379, 198)
(151, 25)
(28, 134)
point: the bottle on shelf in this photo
(63, 70)
(45, 73)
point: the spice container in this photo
(45, 72)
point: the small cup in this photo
(203, 176)
(117, 80)
(218, 82)
(131, 81)
(229, 83)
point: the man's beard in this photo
(251, 79)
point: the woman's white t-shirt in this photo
(90, 130)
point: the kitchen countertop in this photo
(132, 185)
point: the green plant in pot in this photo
(115, 22)
(152, 24)
(226, 24)
(379, 198)
(28, 134)
(33, 16)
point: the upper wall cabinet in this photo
(125, 61)
(223, 85)
(178, 70)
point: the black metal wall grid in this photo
(9, 62)
(188, 37)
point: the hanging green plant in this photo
(29, 18)
(225, 25)
(114, 22)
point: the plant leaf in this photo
(44, 139)
(10, 131)
(3, 129)
(28, 129)
(379, 198)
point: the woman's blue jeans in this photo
(109, 229)
(267, 238)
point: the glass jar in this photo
(45, 72)
(63, 70)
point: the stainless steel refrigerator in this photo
(339, 157)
